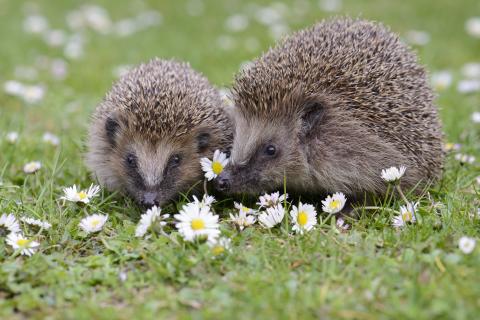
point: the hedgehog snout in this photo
(223, 181)
(149, 199)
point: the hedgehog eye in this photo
(270, 150)
(131, 160)
(175, 160)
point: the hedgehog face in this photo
(152, 128)
(266, 151)
(152, 171)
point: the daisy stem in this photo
(285, 201)
(205, 186)
(323, 221)
(169, 237)
(399, 189)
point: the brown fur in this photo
(159, 109)
(340, 101)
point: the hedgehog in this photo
(149, 133)
(327, 109)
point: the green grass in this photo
(370, 272)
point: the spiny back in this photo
(363, 66)
(164, 98)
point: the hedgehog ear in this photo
(313, 113)
(111, 128)
(203, 141)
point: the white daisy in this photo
(33, 94)
(225, 42)
(206, 201)
(50, 138)
(476, 117)
(304, 218)
(406, 215)
(441, 80)
(12, 137)
(474, 215)
(13, 87)
(149, 218)
(54, 38)
(74, 49)
(236, 23)
(272, 217)
(468, 86)
(9, 222)
(472, 26)
(330, 5)
(84, 196)
(35, 222)
(464, 158)
(471, 70)
(466, 244)
(271, 200)
(32, 167)
(334, 204)
(122, 276)
(220, 245)
(35, 24)
(268, 15)
(241, 208)
(393, 173)
(197, 222)
(213, 168)
(418, 37)
(242, 219)
(342, 225)
(18, 242)
(93, 223)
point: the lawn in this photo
(371, 271)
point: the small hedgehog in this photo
(149, 133)
(329, 108)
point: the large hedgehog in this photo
(329, 108)
(152, 128)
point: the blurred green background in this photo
(216, 37)
(59, 58)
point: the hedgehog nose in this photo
(223, 182)
(149, 199)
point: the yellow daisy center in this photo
(407, 216)
(217, 167)
(335, 204)
(95, 222)
(302, 218)
(245, 209)
(22, 242)
(217, 250)
(197, 224)
(82, 195)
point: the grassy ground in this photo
(370, 272)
